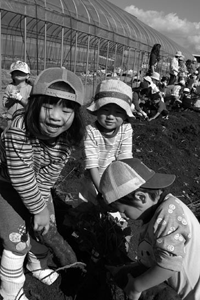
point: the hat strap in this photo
(113, 95)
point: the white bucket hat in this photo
(148, 79)
(20, 66)
(178, 53)
(155, 76)
(112, 91)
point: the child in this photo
(34, 150)
(169, 244)
(18, 91)
(110, 136)
(156, 105)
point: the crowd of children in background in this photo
(180, 90)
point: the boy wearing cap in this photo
(168, 245)
(18, 91)
(110, 136)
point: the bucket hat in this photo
(50, 76)
(112, 91)
(178, 53)
(155, 76)
(123, 177)
(148, 79)
(20, 66)
(186, 90)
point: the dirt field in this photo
(168, 146)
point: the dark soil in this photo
(167, 146)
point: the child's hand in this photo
(131, 293)
(16, 95)
(42, 221)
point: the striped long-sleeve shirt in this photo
(31, 166)
(100, 151)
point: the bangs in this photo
(59, 101)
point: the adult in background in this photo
(174, 68)
(154, 59)
(183, 72)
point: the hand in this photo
(129, 289)
(42, 221)
(16, 95)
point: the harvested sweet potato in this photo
(60, 247)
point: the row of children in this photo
(37, 145)
(155, 96)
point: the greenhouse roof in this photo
(100, 19)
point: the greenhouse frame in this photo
(84, 36)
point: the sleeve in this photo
(91, 149)
(171, 233)
(125, 149)
(162, 105)
(34, 189)
(6, 101)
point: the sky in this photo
(177, 19)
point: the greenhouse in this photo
(84, 36)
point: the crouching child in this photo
(168, 244)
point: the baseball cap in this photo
(125, 176)
(57, 75)
(20, 66)
(112, 91)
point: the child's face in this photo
(19, 76)
(141, 206)
(54, 119)
(111, 116)
(131, 212)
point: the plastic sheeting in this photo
(77, 33)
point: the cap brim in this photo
(104, 101)
(159, 181)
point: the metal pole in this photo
(75, 54)
(122, 63)
(45, 45)
(25, 36)
(0, 56)
(62, 42)
(115, 61)
(87, 61)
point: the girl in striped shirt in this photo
(33, 151)
(110, 136)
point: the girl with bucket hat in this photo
(110, 136)
(18, 91)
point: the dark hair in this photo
(74, 135)
(156, 51)
(27, 80)
(153, 193)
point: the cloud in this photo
(183, 32)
